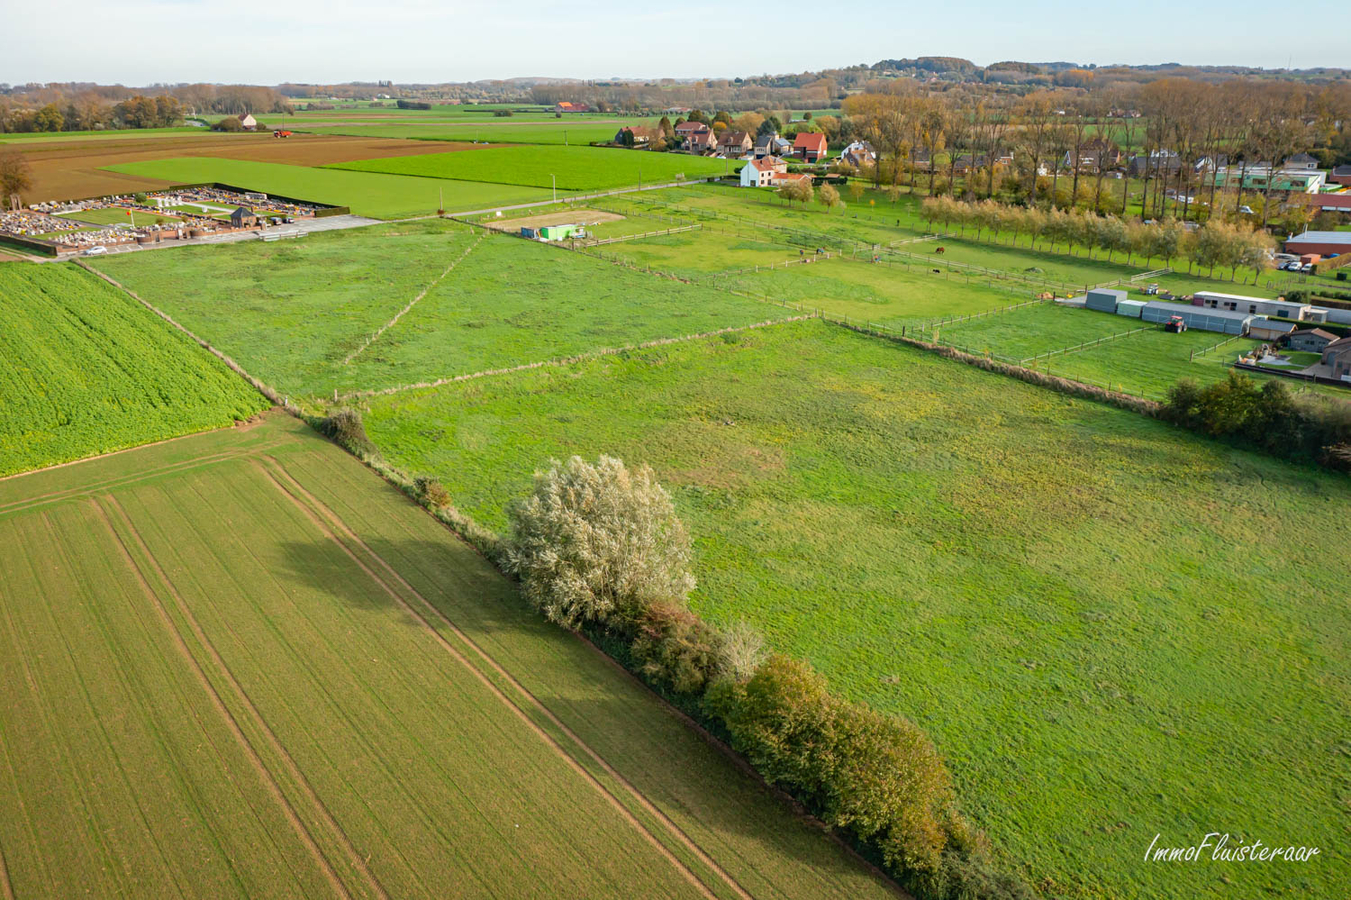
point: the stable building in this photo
(1198, 317)
(1104, 299)
(1264, 329)
(1258, 306)
(1310, 340)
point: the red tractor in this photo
(281, 134)
(1176, 325)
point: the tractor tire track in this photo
(411, 303)
(294, 492)
(330, 874)
(277, 472)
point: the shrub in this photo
(875, 776)
(229, 123)
(345, 427)
(595, 541)
(675, 648)
(741, 652)
(431, 492)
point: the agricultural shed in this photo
(1259, 306)
(1104, 299)
(1131, 308)
(558, 232)
(1198, 317)
(1264, 329)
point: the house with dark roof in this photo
(1310, 340)
(1341, 175)
(243, 217)
(771, 145)
(735, 143)
(1300, 162)
(810, 146)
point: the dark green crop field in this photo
(88, 370)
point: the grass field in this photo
(87, 371)
(116, 216)
(1081, 605)
(574, 168)
(270, 675)
(489, 130)
(299, 315)
(367, 193)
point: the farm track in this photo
(278, 750)
(411, 303)
(336, 530)
(111, 483)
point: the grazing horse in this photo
(939, 251)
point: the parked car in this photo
(95, 251)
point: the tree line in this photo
(57, 108)
(1216, 244)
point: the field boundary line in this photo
(288, 809)
(318, 511)
(1084, 345)
(261, 386)
(108, 484)
(570, 360)
(6, 887)
(411, 303)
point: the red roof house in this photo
(810, 146)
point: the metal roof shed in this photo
(1131, 308)
(1104, 299)
(1198, 317)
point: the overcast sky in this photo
(138, 42)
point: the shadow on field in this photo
(321, 565)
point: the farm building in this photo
(1337, 355)
(248, 122)
(1132, 308)
(1310, 340)
(1104, 299)
(1269, 329)
(1257, 306)
(1198, 317)
(1324, 243)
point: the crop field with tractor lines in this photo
(349, 702)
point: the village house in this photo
(1157, 162)
(1091, 154)
(567, 106)
(810, 146)
(761, 172)
(1300, 162)
(694, 136)
(861, 153)
(248, 122)
(735, 144)
(1341, 175)
(641, 136)
(771, 145)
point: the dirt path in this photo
(411, 303)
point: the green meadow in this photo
(573, 168)
(1105, 624)
(379, 196)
